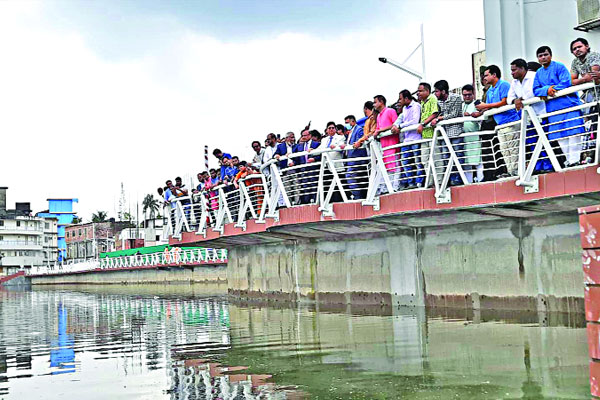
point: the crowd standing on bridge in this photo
(402, 127)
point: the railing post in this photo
(378, 174)
(542, 143)
(180, 218)
(442, 193)
(244, 206)
(265, 202)
(521, 167)
(326, 207)
(205, 215)
(223, 214)
(277, 191)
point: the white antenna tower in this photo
(121, 213)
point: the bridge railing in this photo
(326, 176)
(63, 268)
(168, 257)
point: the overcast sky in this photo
(95, 93)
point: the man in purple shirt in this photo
(412, 171)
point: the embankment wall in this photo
(510, 263)
(203, 273)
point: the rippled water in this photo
(191, 342)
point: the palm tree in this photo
(99, 216)
(151, 204)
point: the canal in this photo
(194, 342)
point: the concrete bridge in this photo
(512, 243)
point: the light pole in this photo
(403, 67)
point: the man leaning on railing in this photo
(429, 110)
(356, 177)
(450, 105)
(412, 169)
(564, 127)
(472, 163)
(309, 171)
(585, 68)
(284, 150)
(521, 88)
(332, 141)
(495, 98)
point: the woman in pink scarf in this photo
(385, 120)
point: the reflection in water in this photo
(62, 353)
(187, 343)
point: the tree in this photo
(150, 204)
(99, 216)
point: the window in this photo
(46, 225)
(1, 223)
(1, 237)
(157, 238)
(18, 223)
(79, 233)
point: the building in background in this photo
(62, 211)
(87, 241)
(516, 28)
(151, 233)
(50, 241)
(25, 240)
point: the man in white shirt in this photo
(269, 152)
(333, 141)
(521, 88)
(258, 157)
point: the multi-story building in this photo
(151, 234)
(22, 237)
(62, 211)
(87, 241)
(50, 240)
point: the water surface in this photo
(192, 342)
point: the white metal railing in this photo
(169, 257)
(326, 176)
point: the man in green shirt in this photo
(429, 111)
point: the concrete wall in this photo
(548, 22)
(372, 271)
(525, 264)
(213, 274)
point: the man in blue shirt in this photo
(308, 175)
(508, 132)
(356, 174)
(219, 155)
(566, 127)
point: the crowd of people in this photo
(487, 150)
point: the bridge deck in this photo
(558, 192)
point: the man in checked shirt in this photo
(450, 106)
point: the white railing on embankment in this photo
(176, 256)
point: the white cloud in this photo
(74, 124)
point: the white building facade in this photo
(21, 243)
(25, 241)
